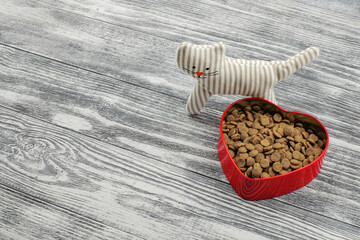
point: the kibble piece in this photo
(257, 165)
(252, 131)
(253, 153)
(250, 161)
(248, 172)
(242, 150)
(297, 147)
(277, 145)
(317, 151)
(241, 125)
(283, 172)
(264, 163)
(246, 140)
(249, 146)
(256, 108)
(298, 138)
(248, 108)
(276, 134)
(310, 151)
(270, 139)
(289, 131)
(313, 137)
(264, 121)
(298, 155)
(257, 125)
(288, 155)
(243, 155)
(305, 162)
(238, 144)
(272, 172)
(249, 116)
(281, 140)
(256, 172)
(241, 162)
(277, 167)
(232, 154)
(311, 141)
(255, 140)
(232, 132)
(285, 163)
(265, 175)
(269, 152)
(260, 136)
(231, 146)
(259, 157)
(227, 139)
(282, 154)
(277, 117)
(265, 143)
(305, 134)
(295, 166)
(268, 148)
(303, 151)
(320, 143)
(290, 138)
(259, 148)
(275, 157)
(236, 137)
(243, 136)
(295, 162)
(230, 118)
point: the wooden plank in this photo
(105, 184)
(141, 49)
(28, 217)
(155, 125)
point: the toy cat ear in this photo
(221, 47)
(184, 43)
(180, 53)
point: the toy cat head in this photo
(200, 61)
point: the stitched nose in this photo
(199, 73)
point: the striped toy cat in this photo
(217, 74)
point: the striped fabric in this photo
(217, 74)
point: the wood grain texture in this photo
(23, 216)
(112, 188)
(107, 70)
(111, 115)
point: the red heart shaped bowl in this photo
(263, 188)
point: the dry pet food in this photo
(264, 145)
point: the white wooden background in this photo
(95, 142)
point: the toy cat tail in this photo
(215, 73)
(286, 68)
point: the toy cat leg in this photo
(197, 99)
(270, 96)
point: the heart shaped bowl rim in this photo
(264, 188)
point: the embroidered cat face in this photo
(200, 61)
